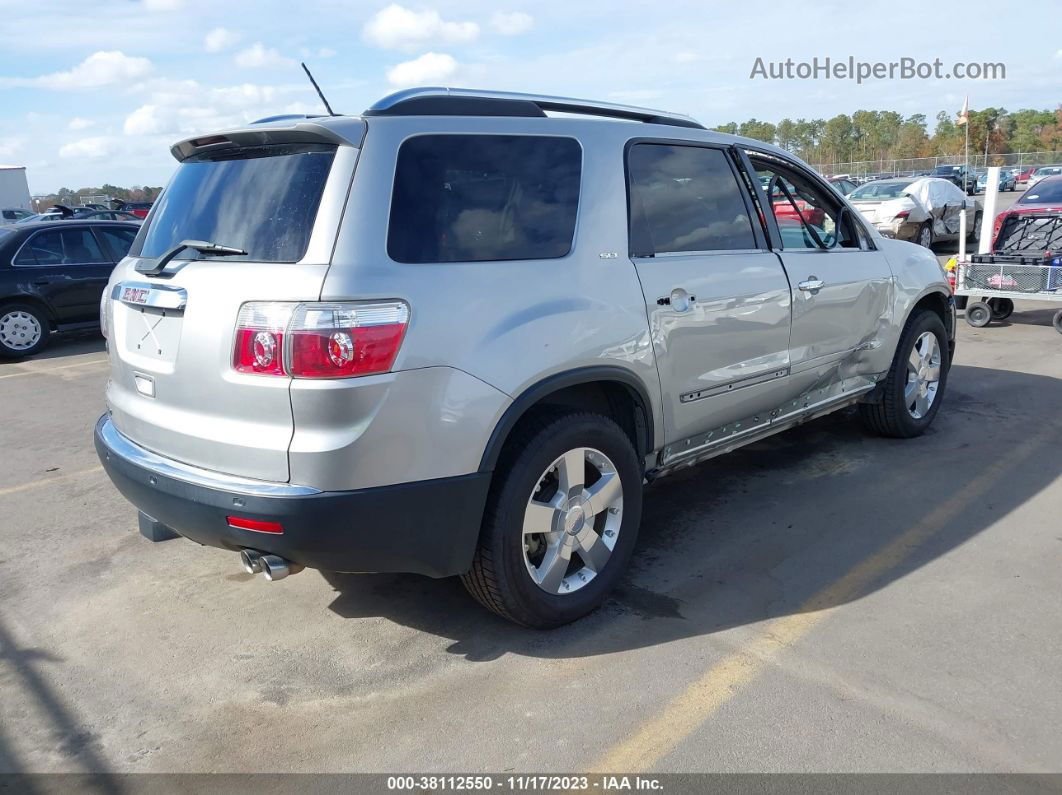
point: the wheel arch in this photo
(618, 390)
(938, 301)
(32, 300)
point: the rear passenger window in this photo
(472, 198)
(119, 240)
(685, 198)
(61, 247)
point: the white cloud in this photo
(431, 67)
(220, 39)
(9, 147)
(92, 148)
(258, 56)
(163, 5)
(324, 52)
(686, 56)
(146, 120)
(102, 68)
(398, 28)
(512, 23)
(79, 123)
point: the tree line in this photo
(136, 193)
(887, 135)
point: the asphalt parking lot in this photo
(821, 601)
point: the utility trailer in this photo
(1025, 266)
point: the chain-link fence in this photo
(919, 165)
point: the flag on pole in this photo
(964, 114)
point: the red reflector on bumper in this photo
(258, 525)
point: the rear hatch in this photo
(173, 387)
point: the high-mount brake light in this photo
(319, 340)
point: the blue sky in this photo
(95, 91)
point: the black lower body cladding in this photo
(428, 527)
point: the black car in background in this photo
(52, 278)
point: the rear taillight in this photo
(105, 315)
(902, 215)
(997, 226)
(260, 334)
(319, 340)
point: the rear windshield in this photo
(879, 190)
(1046, 192)
(472, 198)
(262, 200)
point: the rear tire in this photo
(1056, 321)
(925, 236)
(978, 314)
(24, 330)
(974, 235)
(892, 415)
(501, 576)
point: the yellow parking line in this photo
(46, 370)
(35, 484)
(720, 683)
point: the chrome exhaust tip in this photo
(276, 568)
(251, 560)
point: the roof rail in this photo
(437, 101)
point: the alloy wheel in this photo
(923, 375)
(572, 521)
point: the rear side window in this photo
(61, 247)
(685, 198)
(263, 200)
(119, 240)
(473, 198)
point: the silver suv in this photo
(455, 335)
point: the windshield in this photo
(262, 200)
(879, 191)
(1047, 192)
(1044, 172)
(945, 169)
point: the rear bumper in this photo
(427, 527)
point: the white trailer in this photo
(14, 190)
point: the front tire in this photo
(561, 520)
(23, 331)
(914, 386)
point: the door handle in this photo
(44, 280)
(811, 284)
(679, 300)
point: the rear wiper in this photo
(202, 246)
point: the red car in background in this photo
(1043, 198)
(1025, 176)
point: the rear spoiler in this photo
(336, 130)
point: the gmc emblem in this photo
(135, 295)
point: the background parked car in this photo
(1024, 176)
(1043, 172)
(13, 215)
(924, 210)
(843, 184)
(139, 209)
(1006, 181)
(958, 175)
(52, 277)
